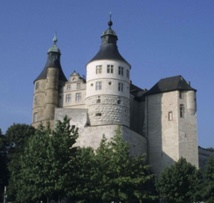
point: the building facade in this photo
(160, 122)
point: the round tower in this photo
(108, 84)
(46, 88)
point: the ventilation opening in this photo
(98, 100)
(98, 114)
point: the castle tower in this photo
(108, 84)
(46, 88)
(171, 127)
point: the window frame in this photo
(98, 85)
(98, 69)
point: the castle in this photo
(160, 122)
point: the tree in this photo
(111, 174)
(180, 183)
(208, 185)
(125, 178)
(17, 137)
(47, 164)
(3, 163)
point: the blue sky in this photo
(159, 38)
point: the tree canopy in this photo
(180, 183)
(111, 174)
(51, 167)
(208, 185)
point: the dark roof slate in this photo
(170, 84)
(53, 60)
(108, 48)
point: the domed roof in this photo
(108, 48)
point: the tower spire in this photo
(110, 23)
(55, 39)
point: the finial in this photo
(110, 22)
(55, 39)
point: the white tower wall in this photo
(107, 92)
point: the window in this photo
(120, 70)
(118, 101)
(37, 86)
(127, 73)
(68, 98)
(182, 111)
(98, 100)
(170, 116)
(69, 87)
(98, 114)
(120, 87)
(98, 85)
(78, 97)
(110, 68)
(98, 69)
(78, 86)
(35, 117)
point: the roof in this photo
(108, 48)
(53, 60)
(170, 84)
(137, 92)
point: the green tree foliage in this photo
(208, 185)
(3, 163)
(180, 183)
(17, 136)
(46, 164)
